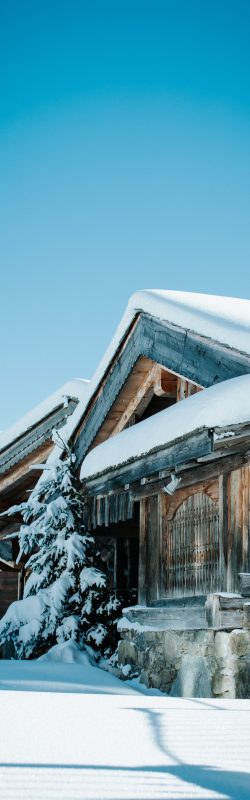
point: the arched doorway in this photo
(191, 548)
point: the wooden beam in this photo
(166, 457)
(21, 476)
(35, 437)
(142, 575)
(107, 392)
(7, 566)
(165, 383)
(149, 381)
(192, 476)
(199, 359)
(223, 527)
(196, 358)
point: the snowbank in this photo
(226, 403)
(65, 668)
(66, 653)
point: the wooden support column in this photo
(162, 506)
(238, 526)
(142, 576)
(21, 583)
(153, 549)
(182, 389)
(223, 530)
(149, 551)
(245, 518)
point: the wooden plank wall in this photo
(155, 513)
(238, 516)
(8, 590)
(109, 509)
(149, 582)
(231, 494)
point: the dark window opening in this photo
(155, 405)
(119, 548)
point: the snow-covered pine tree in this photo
(66, 595)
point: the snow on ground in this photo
(95, 745)
(226, 403)
(65, 668)
(49, 676)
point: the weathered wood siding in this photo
(191, 548)
(197, 541)
(8, 590)
(109, 509)
(149, 583)
(180, 543)
(237, 554)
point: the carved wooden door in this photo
(191, 545)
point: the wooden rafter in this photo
(152, 377)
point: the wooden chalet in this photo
(162, 445)
(22, 447)
(176, 488)
(170, 347)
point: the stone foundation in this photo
(195, 662)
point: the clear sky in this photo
(124, 164)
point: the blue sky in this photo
(124, 164)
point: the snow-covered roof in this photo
(222, 405)
(72, 390)
(223, 319)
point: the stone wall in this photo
(186, 663)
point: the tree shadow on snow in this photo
(158, 781)
(233, 785)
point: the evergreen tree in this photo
(66, 595)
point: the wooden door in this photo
(191, 545)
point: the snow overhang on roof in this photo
(72, 390)
(221, 406)
(222, 319)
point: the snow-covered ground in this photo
(74, 732)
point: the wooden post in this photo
(153, 589)
(245, 504)
(21, 578)
(142, 577)
(223, 530)
(182, 389)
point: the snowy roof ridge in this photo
(206, 315)
(226, 403)
(74, 389)
(226, 320)
(189, 309)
